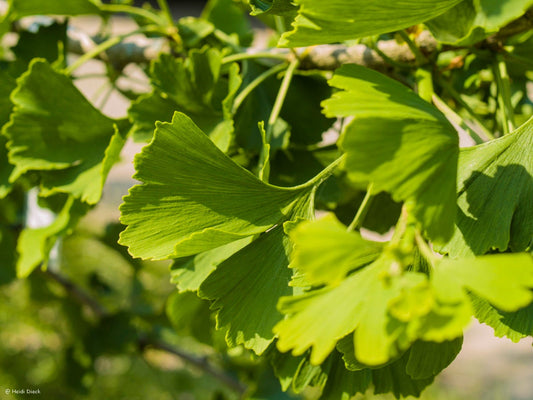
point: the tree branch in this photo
(324, 57)
(100, 311)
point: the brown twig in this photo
(144, 342)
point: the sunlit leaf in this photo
(325, 252)
(505, 280)
(22, 8)
(194, 198)
(333, 21)
(316, 320)
(399, 142)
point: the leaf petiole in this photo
(103, 47)
(280, 99)
(323, 175)
(248, 56)
(254, 84)
(363, 209)
(140, 12)
(504, 95)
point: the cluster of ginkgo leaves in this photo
(237, 167)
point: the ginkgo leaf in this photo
(514, 325)
(495, 184)
(325, 252)
(246, 289)
(395, 379)
(194, 198)
(195, 86)
(505, 280)
(276, 7)
(7, 85)
(34, 245)
(333, 21)
(54, 128)
(316, 320)
(399, 142)
(22, 8)
(428, 359)
(473, 20)
(189, 273)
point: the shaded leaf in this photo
(399, 142)
(320, 22)
(195, 86)
(394, 378)
(189, 273)
(514, 325)
(246, 289)
(54, 128)
(495, 184)
(227, 16)
(473, 20)
(428, 359)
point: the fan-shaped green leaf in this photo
(54, 128)
(339, 20)
(34, 245)
(505, 280)
(189, 273)
(195, 86)
(22, 8)
(325, 252)
(316, 320)
(194, 198)
(394, 378)
(473, 20)
(428, 359)
(495, 185)
(514, 325)
(401, 143)
(246, 289)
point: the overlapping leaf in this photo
(194, 86)
(495, 184)
(246, 289)
(315, 319)
(333, 21)
(387, 309)
(55, 130)
(399, 142)
(325, 252)
(514, 325)
(473, 20)
(189, 273)
(194, 198)
(505, 280)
